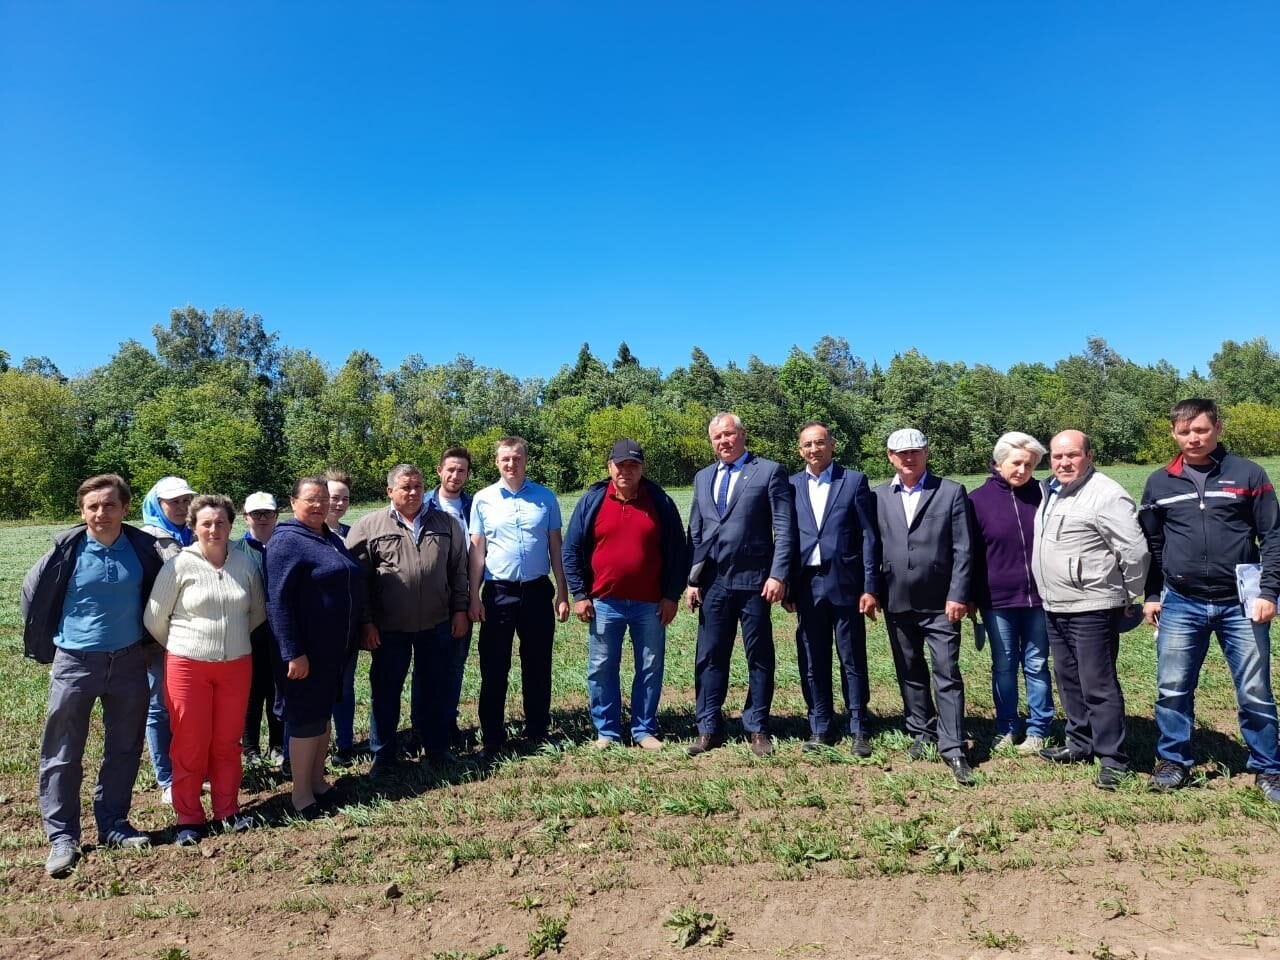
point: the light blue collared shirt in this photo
(415, 524)
(102, 611)
(516, 527)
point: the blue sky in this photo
(987, 182)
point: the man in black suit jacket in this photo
(835, 582)
(741, 530)
(924, 533)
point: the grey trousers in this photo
(909, 635)
(119, 680)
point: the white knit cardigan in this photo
(203, 613)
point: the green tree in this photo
(1248, 372)
(1252, 429)
(40, 465)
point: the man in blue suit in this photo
(835, 583)
(741, 533)
(924, 536)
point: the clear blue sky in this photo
(986, 182)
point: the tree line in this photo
(220, 401)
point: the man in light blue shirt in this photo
(515, 544)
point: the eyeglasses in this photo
(263, 514)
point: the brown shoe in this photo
(761, 744)
(705, 742)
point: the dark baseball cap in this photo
(626, 449)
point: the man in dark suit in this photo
(741, 533)
(924, 533)
(835, 582)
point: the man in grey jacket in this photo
(1090, 560)
(415, 559)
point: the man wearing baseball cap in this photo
(924, 532)
(626, 562)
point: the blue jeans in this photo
(344, 710)
(388, 669)
(1019, 637)
(604, 657)
(77, 679)
(159, 733)
(1181, 645)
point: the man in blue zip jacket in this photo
(1204, 514)
(626, 563)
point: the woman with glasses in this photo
(315, 602)
(205, 603)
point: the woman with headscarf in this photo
(164, 516)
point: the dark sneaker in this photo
(188, 836)
(238, 823)
(1110, 778)
(761, 744)
(1269, 784)
(1169, 776)
(127, 838)
(861, 746)
(63, 854)
(820, 741)
(344, 757)
(705, 742)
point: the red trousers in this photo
(207, 702)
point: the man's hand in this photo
(1151, 612)
(370, 639)
(1264, 611)
(584, 610)
(299, 667)
(667, 611)
(868, 606)
(477, 610)
(562, 607)
(693, 597)
(774, 590)
(461, 625)
(956, 611)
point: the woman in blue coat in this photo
(315, 600)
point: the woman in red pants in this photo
(204, 605)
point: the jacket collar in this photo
(1177, 466)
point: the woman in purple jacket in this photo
(1004, 510)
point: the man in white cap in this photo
(924, 532)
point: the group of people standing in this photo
(188, 637)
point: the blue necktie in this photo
(722, 492)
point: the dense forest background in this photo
(221, 402)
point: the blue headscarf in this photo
(153, 516)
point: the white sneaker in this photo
(166, 796)
(1002, 742)
(1031, 746)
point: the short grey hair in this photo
(402, 470)
(1016, 440)
(723, 416)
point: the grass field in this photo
(629, 854)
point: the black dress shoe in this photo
(705, 742)
(919, 746)
(961, 770)
(818, 742)
(1065, 755)
(861, 746)
(492, 753)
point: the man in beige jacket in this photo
(1090, 560)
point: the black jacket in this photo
(45, 587)
(1196, 541)
(580, 543)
